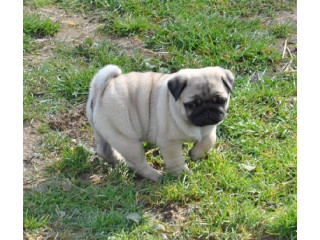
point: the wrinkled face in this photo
(202, 95)
(207, 107)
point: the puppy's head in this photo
(202, 95)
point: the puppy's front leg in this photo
(201, 148)
(171, 152)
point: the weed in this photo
(281, 30)
(35, 26)
(74, 161)
(32, 223)
(28, 44)
(130, 25)
(284, 224)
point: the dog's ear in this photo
(228, 80)
(176, 86)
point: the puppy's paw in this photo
(117, 157)
(150, 173)
(113, 159)
(196, 154)
(155, 175)
(179, 169)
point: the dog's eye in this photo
(190, 105)
(193, 104)
(219, 100)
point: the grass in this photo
(35, 26)
(246, 188)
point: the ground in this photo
(50, 135)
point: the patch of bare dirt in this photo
(288, 46)
(284, 17)
(74, 29)
(73, 124)
(288, 63)
(171, 213)
(133, 44)
(40, 234)
(30, 140)
(281, 17)
(33, 162)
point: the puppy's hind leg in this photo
(104, 150)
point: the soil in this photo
(286, 47)
(75, 28)
(33, 163)
(73, 124)
(284, 17)
(171, 213)
(287, 64)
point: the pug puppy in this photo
(166, 109)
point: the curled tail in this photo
(98, 85)
(100, 80)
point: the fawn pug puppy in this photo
(165, 109)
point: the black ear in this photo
(228, 81)
(176, 86)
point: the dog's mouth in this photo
(207, 117)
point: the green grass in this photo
(245, 189)
(281, 30)
(35, 26)
(28, 44)
(73, 162)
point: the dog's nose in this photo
(208, 113)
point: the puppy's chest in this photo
(186, 134)
(194, 136)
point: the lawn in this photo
(246, 188)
